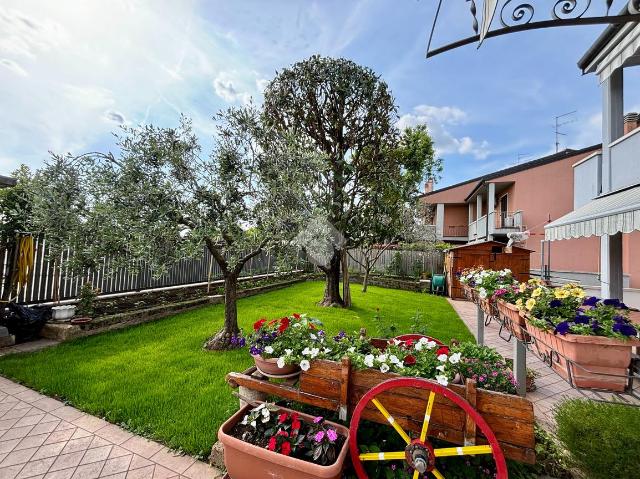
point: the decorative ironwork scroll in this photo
(500, 17)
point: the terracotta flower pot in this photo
(517, 324)
(596, 362)
(487, 306)
(246, 461)
(270, 366)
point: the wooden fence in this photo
(402, 262)
(186, 271)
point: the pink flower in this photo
(332, 435)
(319, 436)
(317, 420)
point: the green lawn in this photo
(156, 379)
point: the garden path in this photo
(42, 438)
(551, 388)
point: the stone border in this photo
(66, 331)
(394, 283)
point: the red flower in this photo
(295, 425)
(284, 324)
(272, 444)
(258, 324)
(282, 432)
(296, 315)
(286, 448)
(408, 343)
(409, 360)
(283, 417)
(443, 350)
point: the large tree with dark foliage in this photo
(348, 115)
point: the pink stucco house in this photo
(526, 197)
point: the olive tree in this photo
(160, 199)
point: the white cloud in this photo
(228, 90)
(13, 66)
(440, 120)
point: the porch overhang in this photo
(617, 212)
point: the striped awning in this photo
(617, 212)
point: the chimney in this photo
(428, 185)
(631, 122)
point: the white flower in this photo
(442, 358)
(268, 350)
(288, 351)
(306, 352)
(431, 344)
(305, 365)
(245, 420)
(368, 360)
(423, 341)
(394, 359)
(384, 367)
(253, 424)
(314, 352)
(455, 358)
(440, 368)
(482, 293)
(396, 342)
(352, 349)
(313, 336)
(382, 358)
(442, 380)
(326, 351)
(296, 325)
(418, 346)
(281, 362)
(266, 415)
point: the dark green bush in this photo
(602, 438)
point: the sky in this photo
(72, 71)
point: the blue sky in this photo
(72, 70)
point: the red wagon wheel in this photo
(419, 453)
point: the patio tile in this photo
(30, 396)
(67, 461)
(89, 423)
(141, 473)
(89, 471)
(32, 441)
(200, 470)
(8, 446)
(18, 457)
(59, 436)
(49, 450)
(114, 434)
(172, 461)
(116, 465)
(48, 404)
(30, 420)
(67, 413)
(16, 433)
(10, 472)
(117, 451)
(163, 473)
(75, 445)
(97, 454)
(142, 446)
(80, 433)
(62, 474)
(7, 423)
(138, 461)
(34, 468)
(121, 475)
(98, 442)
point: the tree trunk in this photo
(332, 286)
(346, 289)
(222, 340)
(365, 280)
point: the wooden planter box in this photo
(243, 459)
(593, 362)
(338, 387)
(517, 325)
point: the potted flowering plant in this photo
(594, 338)
(278, 346)
(284, 442)
(510, 299)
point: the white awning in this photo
(614, 213)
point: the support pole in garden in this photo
(520, 366)
(480, 335)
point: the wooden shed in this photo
(489, 255)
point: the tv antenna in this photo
(562, 120)
(523, 156)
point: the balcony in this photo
(502, 223)
(624, 160)
(456, 231)
(508, 221)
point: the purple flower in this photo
(319, 436)
(591, 301)
(581, 319)
(555, 303)
(619, 319)
(318, 419)
(332, 435)
(595, 326)
(623, 306)
(341, 335)
(624, 329)
(255, 350)
(563, 328)
(611, 302)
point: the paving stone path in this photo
(42, 438)
(551, 388)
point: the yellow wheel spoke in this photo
(462, 451)
(391, 420)
(382, 456)
(436, 473)
(427, 417)
(416, 474)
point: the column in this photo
(470, 236)
(491, 206)
(478, 206)
(612, 122)
(439, 220)
(611, 279)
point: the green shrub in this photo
(602, 438)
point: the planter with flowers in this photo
(278, 346)
(586, 340)
(277, 442)
(509, 300)
(486, 282)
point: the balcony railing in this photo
(508, 220)
(481, 226)
(624, 160)
(458, 231)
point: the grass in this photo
(156, 379)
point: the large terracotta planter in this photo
(594, 361)
(270, 367)
(246, 461)
(487, 306)
(512, 314)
